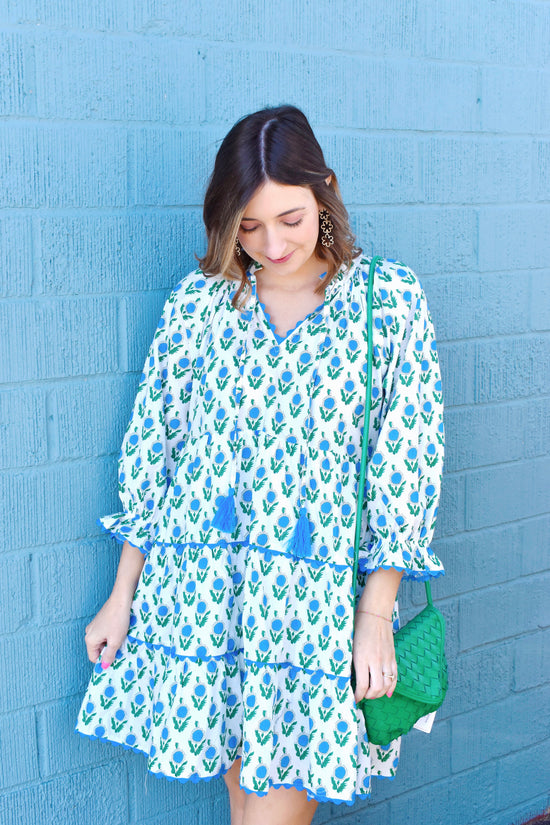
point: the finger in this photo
(94, 649)
(361, 689)
(376, 687)
(108, 655)
(390, 678)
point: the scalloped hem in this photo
(196, 778)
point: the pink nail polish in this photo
(104, 665)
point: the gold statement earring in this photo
(326, 228)
(237, 248)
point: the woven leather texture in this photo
(422, 679)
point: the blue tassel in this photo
(300, 541)
(225, 519)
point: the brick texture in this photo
(435, 118)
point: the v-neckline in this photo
(281, 339)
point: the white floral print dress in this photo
(237, 477)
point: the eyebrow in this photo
(281, 215)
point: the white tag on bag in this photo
(425, 722)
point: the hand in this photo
(373, 656)
(107, 630)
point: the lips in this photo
(280, 260)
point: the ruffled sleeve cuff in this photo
(130, 528)
(417, 562)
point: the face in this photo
(279, 230)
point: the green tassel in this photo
(225, 519)
(300, 541)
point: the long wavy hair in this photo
(275, 144)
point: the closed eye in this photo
(296, 223)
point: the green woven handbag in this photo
(420, 644)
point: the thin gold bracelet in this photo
(374, 614)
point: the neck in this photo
(305, 281)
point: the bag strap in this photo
(366, 422)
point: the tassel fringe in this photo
(225, 519)
(300, 541)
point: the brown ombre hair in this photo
(275, 144)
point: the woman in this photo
(227, 643)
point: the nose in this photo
(275, 245)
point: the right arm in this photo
(107, 630)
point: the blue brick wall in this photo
(436, 116)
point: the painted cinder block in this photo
(410, 808)
(532, 660)
(492, 555)
(456, 361)
(469, 687)
(57, 338)
(424, 758)
(383, 95)
(512, 766)
(56, 503)
(78, 798)
(109, 15)
(514, 99)
(496, 433)
(72, 82)
(43, 665)
(540, 300)
(476, 170)
(91, 415)
(172, 167)
(142, 314)
(513, 237)
(504, 494)
(542, 170)
(473, 30)
(17, 76)
(456, 301)
(15, 592)
(19, 763)
(151, 796)
(62, 166)
(512, 367)
(509, 725)
(499, 612)
(428, 239)
(119, 253)
(23, 414)
(16, 256)
(62, 749)
(468, 808)
(74, 580)
(450, 517)
(383, 168)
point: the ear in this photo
(328, 180)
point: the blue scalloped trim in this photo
(232, 654)
(282, 338)
(408, 573)
(120, 537)
(195, 777)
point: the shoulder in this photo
(194, 293)
(396, 285)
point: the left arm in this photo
(403, 480)
(373, 648)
